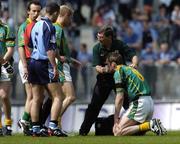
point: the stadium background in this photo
(163, 78)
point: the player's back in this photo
(40, 39)
(134, 81)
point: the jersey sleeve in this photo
(21, 36)
(96, 56)
(118, 81)
(9, 38)
(49, 37)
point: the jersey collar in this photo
(59, 24)
(118, 67)
(28, 20)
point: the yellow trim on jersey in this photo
(118, 67)
(59, 24)
(140, 93)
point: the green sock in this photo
(26, 116)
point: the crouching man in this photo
(138, 117)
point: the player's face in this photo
(34, 11)
(112, 66)
(55, 16)
(68, 19)
(103, 39)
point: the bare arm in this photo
(51, 56)
(22, 56)
(134, 61)
(101, 69)
(8, 54)
(118, 105)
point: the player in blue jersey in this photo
(138, 117)
(43, 71)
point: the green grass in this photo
(172, 137)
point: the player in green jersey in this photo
(6, 52)
(138, 117)
(64, 20)
(33, 11)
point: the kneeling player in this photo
(138, 117)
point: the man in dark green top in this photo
(138, 117)
(105, 82)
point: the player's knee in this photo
(29, 96)
(72, 99)
(3, 95)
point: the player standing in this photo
(43, 71)
(33, 11)
(6, 52)
(64, 20)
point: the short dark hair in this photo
(35, 2)
(115, 57)
(107, 30)
(52, 8)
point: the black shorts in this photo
(40, 72)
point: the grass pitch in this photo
(173, 137)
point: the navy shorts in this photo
(40, 72)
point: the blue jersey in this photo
(43, 38)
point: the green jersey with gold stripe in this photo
(131, 81)
(62, 45)
(61, 41)
(21, 31)
(6, 38)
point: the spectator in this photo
(166, 55)
(74, 67)
(84, 58)
(131, 38)
(175, 18)
(149, 35)
(136, 24)
(161, 23)
(148, 56)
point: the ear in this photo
(113, 64)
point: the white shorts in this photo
(141, 110)
(21, 72)
(4, 75)
(66, 70)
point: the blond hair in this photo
(64, 9)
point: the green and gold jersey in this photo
(21, 32)
(6, 38)
(131, 81)
(63, 49)
(61, 41)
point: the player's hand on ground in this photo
(115, 128)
